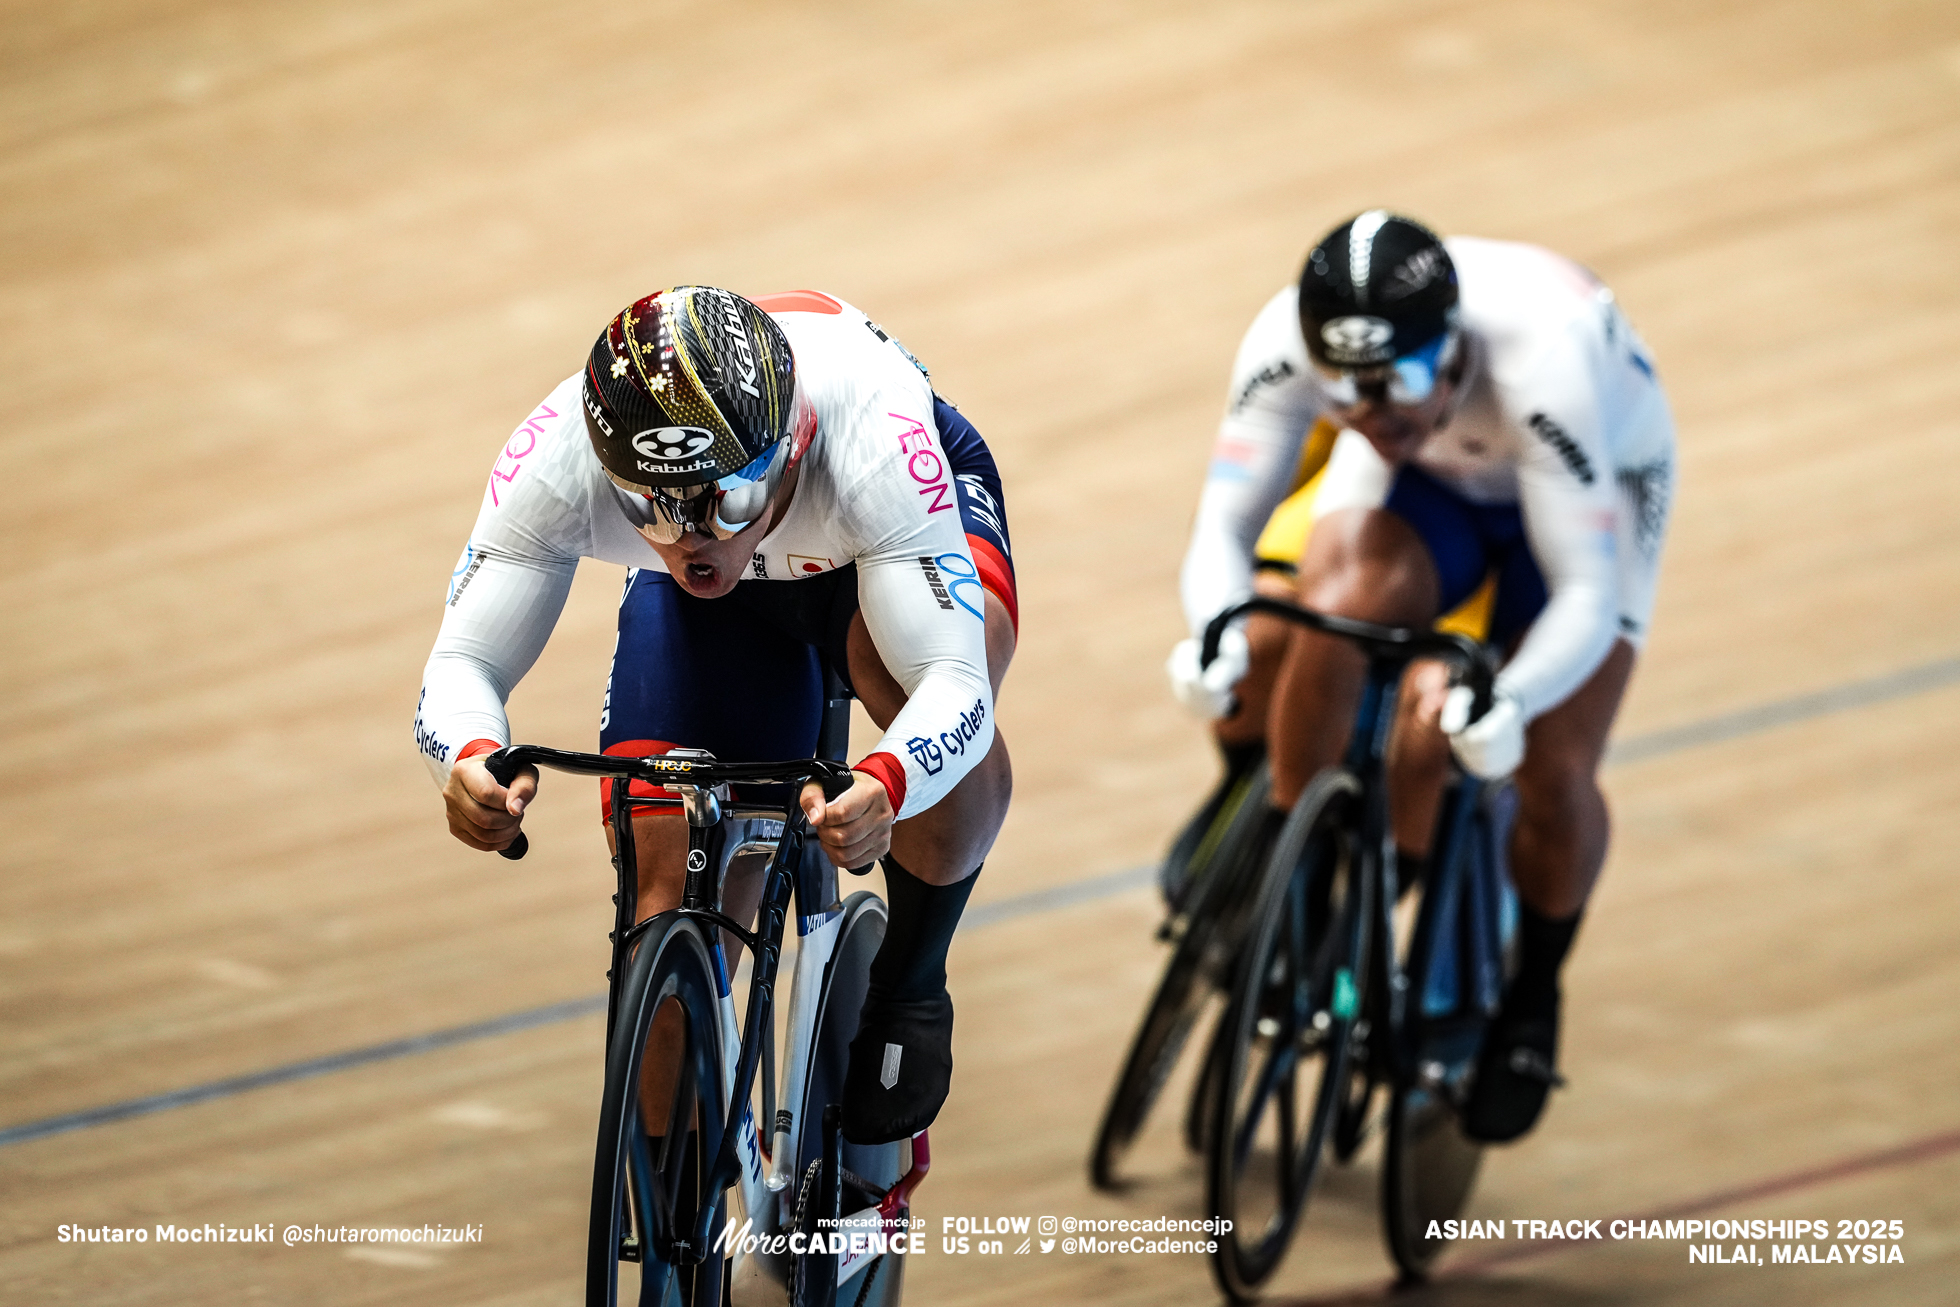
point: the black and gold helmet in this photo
(687, 387)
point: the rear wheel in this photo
(1282, 1060)
(1428, 1169)
(1196, 847)
(656, 1148)
(1207, 934)
(867, 1171)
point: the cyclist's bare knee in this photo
(1359, 562)
(1563, 821)
(660, 855)
(1369, 563)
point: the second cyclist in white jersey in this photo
(1499, 423)
(786, 490)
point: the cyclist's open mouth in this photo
(702, 573)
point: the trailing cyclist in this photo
(785, 490)
(1421, 428)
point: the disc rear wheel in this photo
(868, 1171)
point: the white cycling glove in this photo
(1208, 691)
(1493, 745)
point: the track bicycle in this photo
(1336, 994)
(1212, 863)
(823, 1220)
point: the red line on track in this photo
(1907, 1154)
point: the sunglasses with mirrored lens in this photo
(1411, 379)
(721, 509)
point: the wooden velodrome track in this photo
(278, 280)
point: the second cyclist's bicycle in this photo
(1335, 995)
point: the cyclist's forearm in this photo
(942, 733)
(492, 632)
(1570, 524)
(1571, 637)
(460, 702)
(1217, 569)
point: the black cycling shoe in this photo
(900, 1070)
(1516, 1072)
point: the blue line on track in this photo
(550, 1014)
(1640, 748)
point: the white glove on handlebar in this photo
(1208, 691)
(1492, 746)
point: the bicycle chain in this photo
(795, 1278)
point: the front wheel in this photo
(660, 1127)
(1283, 1052)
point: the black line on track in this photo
(1786, 712)
(1640, 748)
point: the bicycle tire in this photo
(877, 1166)
(1429, 1166)
(1289, 1021)
(1196, 844)
(1204, 1094)
(1211, 925)
(646, 1201)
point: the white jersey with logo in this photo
(873, 489)
(1562, 415)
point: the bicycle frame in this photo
(1438, 961)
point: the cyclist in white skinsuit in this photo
(788, 464)
(1498, 419)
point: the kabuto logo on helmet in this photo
(738, 337)
(672, 444)
(595, 410)
(1358, 339)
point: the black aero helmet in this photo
(688, 387)
(1377, 288)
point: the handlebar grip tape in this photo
(835, 786)
(503, 771)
